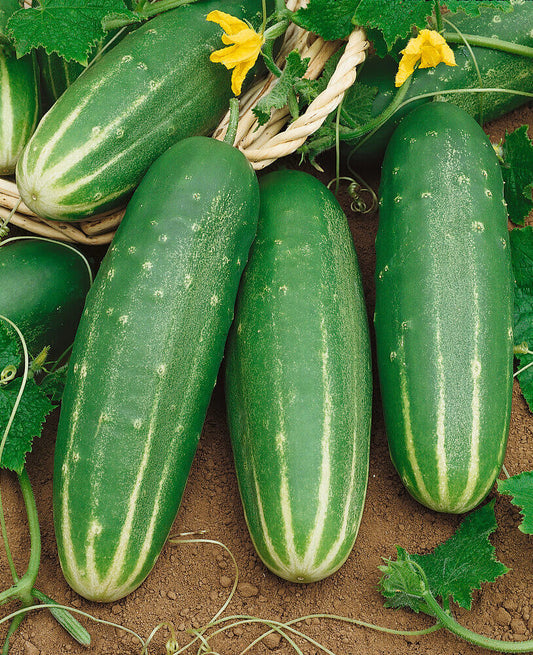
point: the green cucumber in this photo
(144, 363)
(498, 70)
(444, 302)
(44, 284)
(154, 88)
(19, 97)
(298, 382)
(57, 74)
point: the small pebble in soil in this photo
(31, 649)
(502, 616)
(272, 641)
(225, 581)
(247, 590)
(172, 595)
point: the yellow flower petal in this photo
(430, 48)
(230, 24)
(244, 46)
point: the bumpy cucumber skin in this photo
(444, 303)
(498, 70)
(298, 382)
(154, 88)
(144, 363)
(19, 106)
(43, 289)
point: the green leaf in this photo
(520, 487)
(9, 347)
(31, 414)
(54, 383)
(278, 97)
(70, 28)
(453, 570)
(393, 18)
(402, 583)
(517, 171)
(330, 20)
(522, 260)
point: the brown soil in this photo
(191, 582)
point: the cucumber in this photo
(144, 363)
(152, 89)
(44, 284)
(57, 74)
(498, 70)
(298, 382)
(19, 97)
(444, 301)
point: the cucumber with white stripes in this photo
(152, 89)
(444, 301)
(298, 382)
(19, 97)
(144, 363)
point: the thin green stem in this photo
(337, 148)
(163, 5)
(4, 230)
(438, 16)
(27, 581)
(521, 370)
(13, 627)
(478, 71)
(264, 21)
(233, 124)
(474, 638)
(490, 42)
(373, 125)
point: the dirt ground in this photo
(191, 582)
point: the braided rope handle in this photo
(262, 145)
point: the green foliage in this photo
(520, 487)
(70, 28)
(280, 94)
(452, 571)
(32, 411)
(31, 414)
(517, 171)
(386, 21)
(522, 259)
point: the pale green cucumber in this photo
(444, 302)
(152, 89)
(19, 98)
(144, 363)
(298, 382)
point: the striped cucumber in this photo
(55, 278)
(298, 382)
(152, 89)
(444, 301)
(498, 69)
(144, 363)
(19, 97)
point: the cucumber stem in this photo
(233, 124)
(490, 42)
(474, 638)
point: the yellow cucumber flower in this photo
(430, 48)
(244, 47)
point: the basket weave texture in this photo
(262, 145)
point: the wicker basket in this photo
(262, 145)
